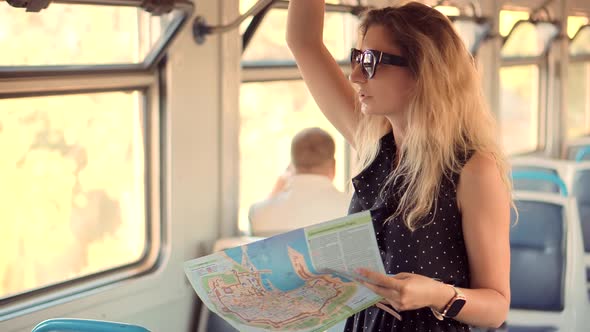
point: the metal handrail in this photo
(156, 7)
(201, 29)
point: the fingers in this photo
(389, 310)
(402, 276)
(390, 303)
(381, 291)
(380, 279)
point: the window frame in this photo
(265, 72)
(577, 59)
(148, 84)
(545, 68)
(148, 78)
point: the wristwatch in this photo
(452, 308)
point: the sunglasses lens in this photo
(355, 58)
(368, 64)
(366, 59)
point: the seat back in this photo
(211, 322)
(531, 178)
(85, 325)
(540, 175)
(578, 149)
(583, 154)
(547, 273)
(581, 191)
(537, 247)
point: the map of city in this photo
(296, 281)
(293, 297)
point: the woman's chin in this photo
(365, 109)
(368, 110)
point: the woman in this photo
(432, 175)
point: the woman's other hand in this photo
(408, 291)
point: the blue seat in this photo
(85, 325)
(579, 151)
(537, 247)
(581, 190)
(531, 178)
(547, 265)
(583, 153)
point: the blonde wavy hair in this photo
(447, 113)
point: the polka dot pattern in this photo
(436, 250)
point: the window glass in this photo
(574, 23)
(448, 10)
(578, 99)
(508, 18)
(269, 45)
(271, 114)
(581, 43)
(519, 112)
(72, 200)
(529, 40)
(65, 34)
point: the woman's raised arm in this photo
(325, 80)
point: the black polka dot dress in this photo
(436, 250)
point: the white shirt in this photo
(308, 199)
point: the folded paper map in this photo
(296, 281)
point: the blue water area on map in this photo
(272, 254)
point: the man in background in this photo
(305, 194)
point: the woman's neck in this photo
(399, 132)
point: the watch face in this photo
(455, 308)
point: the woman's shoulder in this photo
(480, 179)
(479, 164)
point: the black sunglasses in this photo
(369, 59)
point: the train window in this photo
(448, 10)
(574, 23)
(268, 44)
(271, 114)
(580, 44)
(519, 108)
(578, 79)
(522, 55)
(275, 104)
(508, 19)
(528, 39)
(80, 131)
(65, 34)
(578, 105)
(73, 187)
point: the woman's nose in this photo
(357, 76)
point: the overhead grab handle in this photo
(473, 31)
(30, 5)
